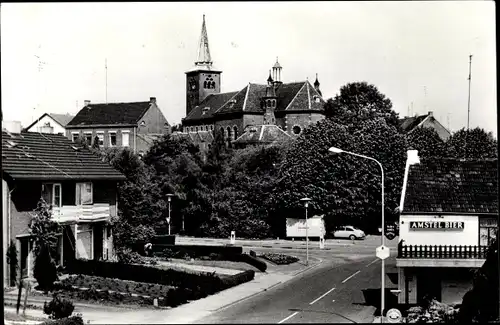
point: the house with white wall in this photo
(449, 216)
(50, 123)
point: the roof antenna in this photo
(106, 67)
(468, 101)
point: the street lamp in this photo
(337, 150)
(169, 196)
(306, 201)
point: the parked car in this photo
(348, 232)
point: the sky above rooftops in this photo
(412, 51)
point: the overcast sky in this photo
(400, 47)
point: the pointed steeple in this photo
(204, 57)
(270, 79)
(277, 73)
(316, 85)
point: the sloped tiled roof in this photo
(110, 114)
(196, 137)
(31, 155)
(291, 97)
(62, 119)
(212, 102)
(263, 134)
(409, 123)
(452, 186)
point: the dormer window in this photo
(317, 99)
(205, 110)
(143, 123)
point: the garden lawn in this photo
(215, 263)
(20, 318)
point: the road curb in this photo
(270, 287)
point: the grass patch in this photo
(216, 263)
(20, 318)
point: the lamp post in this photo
(337, 150)
(306, 201)
(169, 196)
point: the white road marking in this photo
(350, 277)
(322, 296)
(372, 262)
(284, 320)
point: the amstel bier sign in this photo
(458, 225)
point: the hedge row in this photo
(245, 258)
(195, 251)
(200, 283)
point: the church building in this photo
(288, 107)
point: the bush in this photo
(262, 266)
(195, 251)
(12, 261)
(127, 256)
(74, 320)
(45, 271)
(58, 308)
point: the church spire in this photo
(204, 57)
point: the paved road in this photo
(344, 289)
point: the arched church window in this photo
(228, 136)
(205, 84)
(235, 132)
(213, 84)
(196, 128)
(209, 82)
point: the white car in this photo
(348, 232)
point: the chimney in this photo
(12, 126)
(86, 102)
(430, 113)
(152, 100)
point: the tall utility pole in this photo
(468, 101)
(40, 68)
(425, 99)
(106, 67)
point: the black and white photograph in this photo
(257, 162)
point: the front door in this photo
(428, 285)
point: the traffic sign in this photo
(394, 316)
(390, 235)
(382, 252)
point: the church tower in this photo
(203, 79)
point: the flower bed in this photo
(279, 259)
(117, 285)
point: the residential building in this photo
(449, 216)
(290, 106)
(79, 187)
(135, 125)
(408, 124)
(50, 123)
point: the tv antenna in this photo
(468, 101)
(106, 68)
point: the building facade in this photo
(449, 217)
(133, 125)
(79, 188)
(291, 106)
(51, 123)
(408, 124)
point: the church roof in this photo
(262, 134)
(294, 96)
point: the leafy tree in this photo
(473, 143)
(481, 302)
(343, 187)
(176, 128)
(360, 101)
(44, 231)
(426, 141)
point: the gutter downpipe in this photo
(135, 141)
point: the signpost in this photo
(321, 242)
(390, 231)
(394, 316)
(382, 252)
(233, 237)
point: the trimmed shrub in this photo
(260, 265)
(58, 308)
(45, 271)
(195, 251)
(12, 261)
(280, 259)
